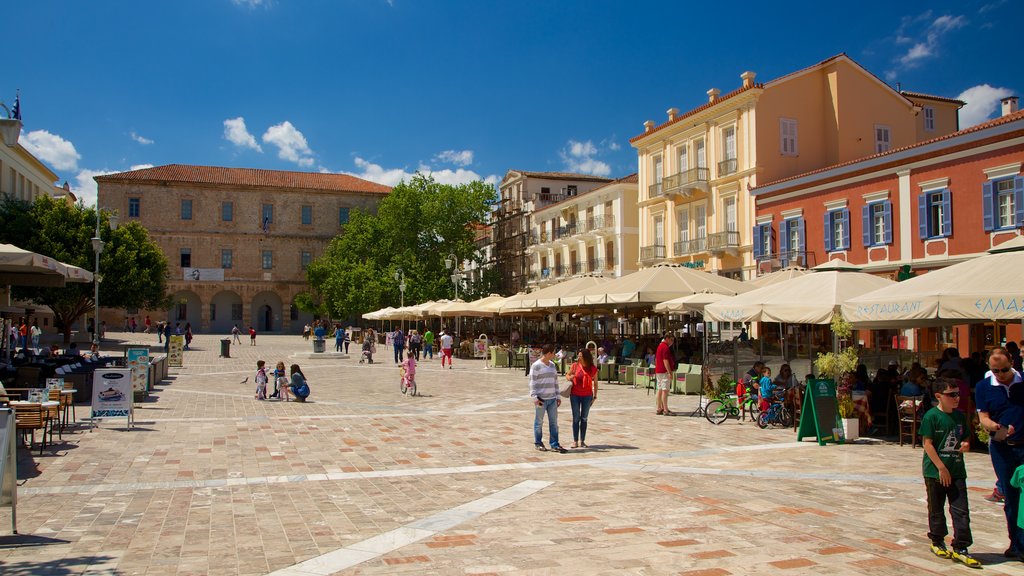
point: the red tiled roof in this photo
(681, 117)
(253, 177)
(563, 176)
(991, 123)
(909, 94)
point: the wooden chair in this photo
(58, 413)
(29, 418)
(908, 410)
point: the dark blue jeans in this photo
(580, 411)
(398, 353)
(1005, 460)
(551, 408)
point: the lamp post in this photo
(97, 247)
(452, 263)
(400, 278)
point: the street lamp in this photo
(97, 247)
(400, 278)
(452, 263)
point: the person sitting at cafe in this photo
(917, 380)
(73, 350)
(602, 356)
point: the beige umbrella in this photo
(808, 299)
(986, 288)
(777, 276)
(691, 303)
(19, 267)
(551, 296)
(377, 314)
(480, 308)
(653, 285)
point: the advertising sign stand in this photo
(176, 351)
(819, 414)
(112, 395)
(8, 466)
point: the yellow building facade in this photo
(696, 169)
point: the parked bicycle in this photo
(729, 405)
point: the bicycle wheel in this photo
(762, 420)
(716, 412)
(412, 388)
(754, 409)
(401, 386)
(785, 417)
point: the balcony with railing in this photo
(687, 247)
(546, 198)
(558, 270)
(727, 167)
(576, 268)
(722, 241)
(595, 265)
(596, 224)
(655, 191)
(567, 231)
(686, 182)
(778, 260)
(652, 252)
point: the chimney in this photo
(748, 78)
(1010, 105)
(713, 94)
(648, 125)
(672, 113)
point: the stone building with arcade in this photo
(237, 240)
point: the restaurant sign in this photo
(112, 394)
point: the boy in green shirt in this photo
(943, 431)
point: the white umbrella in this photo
(986, 288)
(552, 296)
(777, 276)
(808, 299)
(654, 285)
(691, 303)
(377, 314)
(19, 267)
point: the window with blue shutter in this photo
(887, 222)
(1018, 198)
(846, 228)
(988, 205)
(757, 243)
(935, 214)
(801, 258)
(827, 228)
(867, 225)
(877, 222)
(922, 216)
(947, 213)
(1003, 203)
(783, 240)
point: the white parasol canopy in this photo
(377, 314)
(777, 276)
(552, 296)
(692, 303)
(20, 267)
(809, 299)
(654, 285)
(986, 288)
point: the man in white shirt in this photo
(446, 349)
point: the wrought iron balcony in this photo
(687, 181)
(576, 268)
(565, 231)
(778, 260)
(558, 270)
(655, 191)
(686, 247)
(545, 198)
(727, 167)
(720, 241)
(652, 252)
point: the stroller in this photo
(367, 352)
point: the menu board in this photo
(819, 415)
(138, 361)
(112, 393)
(176, 351)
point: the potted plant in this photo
(836, 365)
(847, 411)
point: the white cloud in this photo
(140, 139)
(252, 3)
(982, 101)
(236, 133)
(391, 176)
(84, 186)
(140, 166)
(291, 144)
(925, 42)
(51, 148)
(579, 157)
(457, 157)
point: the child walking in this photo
(261, 380)
(944, 434)
(281, 382)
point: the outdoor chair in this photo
(29, 418)
(908, 410)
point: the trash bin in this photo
(318, 346)
(225, 348)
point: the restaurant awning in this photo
(19, 267)
(652, 286)
(551, 296)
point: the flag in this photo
(266, 224)
(16, 111)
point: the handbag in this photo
(566, 389)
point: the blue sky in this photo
(463, 89)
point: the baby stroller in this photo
(367, 352)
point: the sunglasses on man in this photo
(1002, 370)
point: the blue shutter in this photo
(828, 231)
(846, 228)
(771, 236)
(865, 219)
(922, 216)
(988, 203)
(758, 242)
(947, 213)
(783, 240)
(1018, 200)
(802, 248)
(887, 221)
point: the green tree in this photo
(416, 226)
(132, 267)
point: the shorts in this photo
(663, 380)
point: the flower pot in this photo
(851, 428)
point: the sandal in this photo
(583, 445)
(667, 413)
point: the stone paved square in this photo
(361, 480)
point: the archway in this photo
(225, 312)
(186, 308)
(266, 312)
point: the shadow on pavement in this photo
(59, 567)
(25, 541)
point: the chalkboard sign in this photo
(819, 414)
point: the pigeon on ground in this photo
(244, 381)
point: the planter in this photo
(851, 428)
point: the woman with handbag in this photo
(583, 375)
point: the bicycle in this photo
(407, 385)
(721, 408)
(777, 415)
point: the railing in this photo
(684, 247)
(727, 166)
(687, 179)
(655, 190)
(596, 223)
(724, 240)
(558, 270)
(652, 252)
(778, 260)
(565, 231)
(576, 268)
(595, 265)
(548, 198)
